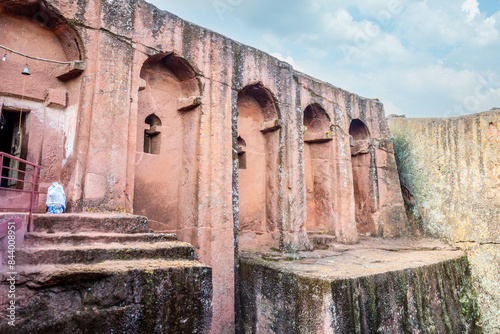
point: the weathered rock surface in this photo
(152, 296)
(359, 290)
(101, 282)
(450, 171)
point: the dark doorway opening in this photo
(13, 141)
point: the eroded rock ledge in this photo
(359, 290)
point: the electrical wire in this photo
(36, 58)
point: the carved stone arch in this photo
(317, 124)
(259, 124)
(34, 30)
(318, 169)
(264, 98)
(362, 159)
(153, 120)
(41, 15)
(165, 183)
(172, 64)
(358, 130)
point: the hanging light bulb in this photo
(3, 59)
(26, 71)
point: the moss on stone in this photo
(423, 298)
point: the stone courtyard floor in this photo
(370, 256)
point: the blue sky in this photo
(420, 58)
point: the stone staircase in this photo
(106, 273)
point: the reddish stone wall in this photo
(94, 145)
(49, 106)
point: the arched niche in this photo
(44, 104)
(316, 124)
(152, 136)
(318, 169)
(38, 32)
(167, 144)
(258, 139)
(242, 158)
(358, 130)
(40, 17)
(359, 136)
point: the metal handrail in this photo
(17, 170)
(18, 190)
(20, 160)
(10, 178)
(35, 184)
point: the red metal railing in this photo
(19, 193)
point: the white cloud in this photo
(341, 27)
(431, 24)
(486, 32)
(471, 8)
(441, 91)
(372, 8)
(362, 42)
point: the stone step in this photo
(42, 238)
(41, 275)
(87, 254)
(110, 297)
(321, 240)
(90, 222)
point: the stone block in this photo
(317, 137)
(271, 126)
(95, 186)
(285, 295)
(72, 70)
(360, 147)
(56, 98)
(189, 103)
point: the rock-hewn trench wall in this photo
(101, 299)
(450, 171)
(430, 299)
